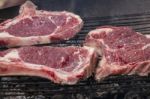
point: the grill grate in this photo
(113, 86)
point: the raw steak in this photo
(33, 26)
(64, 65)
(123, 51)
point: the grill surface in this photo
(113, 87)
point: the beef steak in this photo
(33, 26)
(64, 65)
(123, 51)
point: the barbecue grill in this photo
(113, 87)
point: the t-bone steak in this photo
(64, 65)
(33, 26)
(123, 51)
